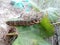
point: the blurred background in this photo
(49, 5)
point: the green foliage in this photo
(35, 34)
(28, 35)
(46, 25)
(52, 14)
(35, 7)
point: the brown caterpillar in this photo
(27, 20)
(22, 23)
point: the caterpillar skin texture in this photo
(22, 23)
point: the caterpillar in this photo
(26, 22)
(23, 23)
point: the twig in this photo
(12, 34)
(56, 23)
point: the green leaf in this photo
(35, 7)
(46, 26)
(34, 34)
(53, 14)
(28, 36)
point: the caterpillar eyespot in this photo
(22, 23)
